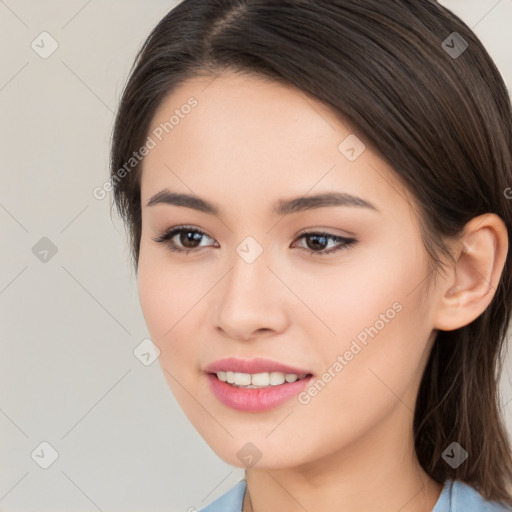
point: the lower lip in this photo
(255, 400)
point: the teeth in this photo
(260, 379)
(242, 379)
(276, 378)
(257, 380)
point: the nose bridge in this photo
(249, 270)
(248, 300)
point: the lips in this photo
(257, 399)
(256, 365)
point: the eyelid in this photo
(343, 242)
(170, 233)
(327, 231)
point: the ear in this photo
(471, 283)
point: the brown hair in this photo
(441, 119)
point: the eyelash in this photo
(166, 238)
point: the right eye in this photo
(187, 239)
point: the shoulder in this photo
(457, 496)
(231, 501)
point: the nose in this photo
(252, 301)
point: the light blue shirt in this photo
(456, 496)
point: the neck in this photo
(376, 473)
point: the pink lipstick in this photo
(255, 385)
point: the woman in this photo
(318, 201)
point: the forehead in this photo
(244, 112)
(260, 139)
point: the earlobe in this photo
(471, 284)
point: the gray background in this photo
(68, 327)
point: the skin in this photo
(248, 143)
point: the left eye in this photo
(189, 239)
(319, 240)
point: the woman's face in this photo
(252, 285)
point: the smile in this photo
(257, 380)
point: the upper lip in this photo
(256, 365)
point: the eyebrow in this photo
(281, 207)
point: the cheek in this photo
(346, 300)
(384, 356)
(167, 297)
(380, 327)
(355, 393)
(157, 297)
(169, 301)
